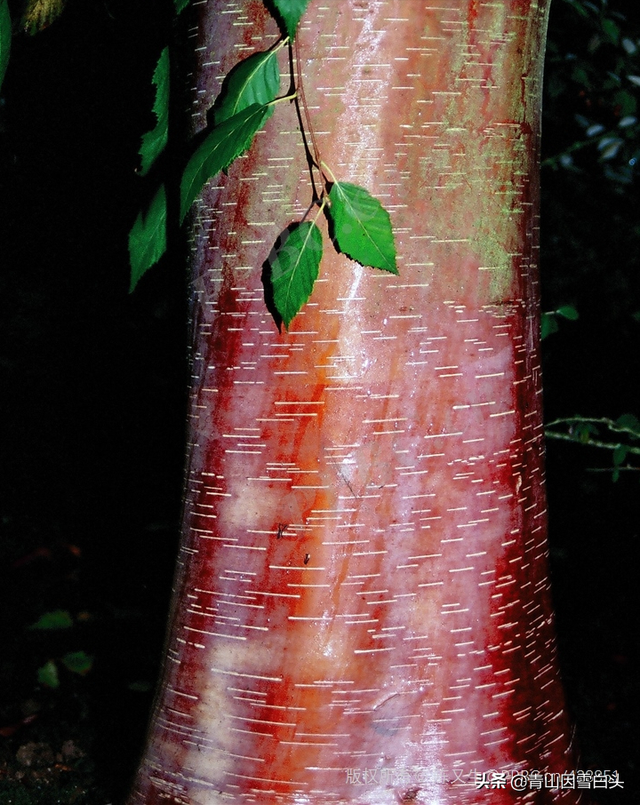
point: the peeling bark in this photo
(362, 582)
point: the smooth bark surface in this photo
(362, 582)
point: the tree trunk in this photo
(361, 610)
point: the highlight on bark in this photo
(361, 609)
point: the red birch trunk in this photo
(361, 611)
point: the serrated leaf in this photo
(48, 675)
(226, 142)
(290, 13)
(148, 237)
(79, 662)
(180, 5)
(39, 14)
(362, 227)
(154, 141)
(254, 80)
(294, 268)
(56, 619)
(5, 38)
(568, 312)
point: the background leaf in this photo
(568, 312)
(148, 237)
(56, 619)
(5, 38)
(548, 325)
(619, 454)
(39, 14)
(79, 662)
(226, 142)
(254, 80)
(48, 675)
(629, 422)
(290, 12)
(294, 269)
(362, 227)
(155, 140)
(180, 5)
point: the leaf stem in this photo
(321, 207)
(291, 96)
(324, 167)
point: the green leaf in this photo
(5, 38)
(226, 142)
(79, 662)
(580, 76)
(253, 80)
(48, 675)
(362, 227)
(294, 268)
(56, 619)
(290, 13)
(619, 454)
(155, 141)
(625, 102)
(148, 237)
(629, 422)
(548, 325)
(584, 431)
(611, 30)
(567, 312)
(578, 7)
(180, 5)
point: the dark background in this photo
(92, 396)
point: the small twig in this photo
(577, 146)
(609, 423)
(625, 468)
(568, 437)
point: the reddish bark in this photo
(362, 582)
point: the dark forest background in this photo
(92, 394)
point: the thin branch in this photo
(592, 420)
(568, 437)
(300, 85)
(295, 90)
